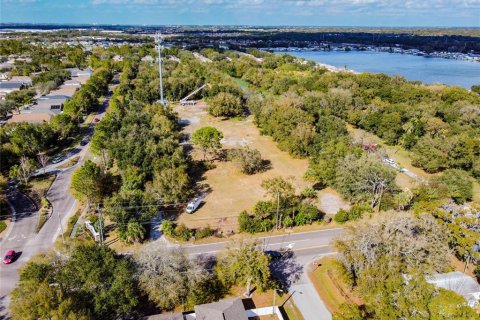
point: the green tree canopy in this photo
(89, 283)
(208, 139)
(87, 182)
(244, 264)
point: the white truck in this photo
(193, 205)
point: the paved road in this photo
(307, 242)
(16, 238)
(21, 235)
(292, 268)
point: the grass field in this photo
(231, 191)
(332, 291)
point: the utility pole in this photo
(158, 41)
(277, 224)
(100, 224)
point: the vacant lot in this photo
(232, 191)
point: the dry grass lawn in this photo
(332, 291)
(232, 191)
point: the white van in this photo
(193, 205)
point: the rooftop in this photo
(456, 281)
(228, 309)
(11, 85)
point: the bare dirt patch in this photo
(330, 201)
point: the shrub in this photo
(249, 160)
(167, 227)
(309, 213)
(308, 193)
(341, 216)
(3, 226)
(357, 211)
(183, 233)
(253, 224)
(204, 232)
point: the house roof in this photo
(65, 91)
(11, 85)
(168, 316)
(30, 118)
(75, 72)
(22, 79)
(456, 281)
(72, 83)
(54, 97)
(228, 309)
(82, 79)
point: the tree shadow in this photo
(266, 165)
(3, 310)
(286, 270)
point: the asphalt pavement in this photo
(310, 242)
(21, 235)
(301, 249)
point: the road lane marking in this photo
(298, 249)
(269, 238)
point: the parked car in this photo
(57, 160)
(193, 205)
(9, 257)
(83, 142)
(96, 120)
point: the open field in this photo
(231, 191)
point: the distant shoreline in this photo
(413, 68)
(414, 52)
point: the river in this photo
(428, 70)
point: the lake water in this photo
(429, 70)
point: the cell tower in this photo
(158, 42)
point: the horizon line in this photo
(231, 25)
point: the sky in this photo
(388, 13)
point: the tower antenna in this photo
(158, 41)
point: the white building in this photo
(460, 283)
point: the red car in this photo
(9, 257)
(96, 120)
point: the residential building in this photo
(460, 283)
(26, 80)
(76, 72)
(227, 309)
(45, 109)
(10, 86)
(168, 316)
